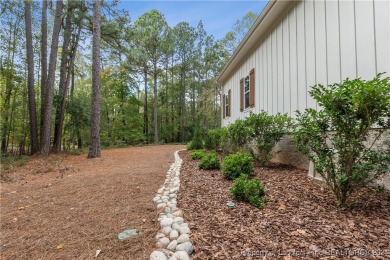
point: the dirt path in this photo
(67, 207)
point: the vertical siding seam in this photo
(315, 47)
(354, 26)
(283, 65)
(289, 58)
(277, 61)
(339, 29)
(296, 51)
(326, 46)
(304, 47)
(272, 74)
(376, 58)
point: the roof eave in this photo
(270, 13)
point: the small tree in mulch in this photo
(197, 142)
(197, 154)
(340, 138)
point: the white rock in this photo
(161, 190)
(159, 235)
(184, 230)
(161, 205)
(166, 222)
(167, 210)
(155, 199)
(172, 246)
(176, 227)
(173, 235)
(187, 246)
(173, 195)
(180, 255)
(183, 238)
(177, 213)
(157, 255)
(178, 220)
(166, 230)
(173, 207)
(167, 253)
(164, 241)
(184, 225)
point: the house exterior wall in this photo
(313, 42)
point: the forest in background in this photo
(157, 82)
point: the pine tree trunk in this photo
(63, 85)
(146, 118)
(46, 128)
(30, 80)
(155, 104)
(94, 149)
(43, 63)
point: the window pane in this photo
(247, 100)
(246, 84)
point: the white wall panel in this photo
(382, 36)
(274, 60)
(333, 41)
(310, 49)
(365, 41)
(347, 39)
(320, 42)
(293, 62)
(316, 41)
(279, 50)
(301, 60)
(286, 66)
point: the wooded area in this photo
(72, 72)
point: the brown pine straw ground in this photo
(67, 206)
(300, 220)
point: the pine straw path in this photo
(67, 207)
(300, 218)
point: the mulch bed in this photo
(67, 207)
(299, 221)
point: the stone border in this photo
(173, 239)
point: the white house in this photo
(296, 44)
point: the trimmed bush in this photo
(210, 161)
(247, 190)
(265, 131)
(236, 164)
(337, 138)
(197, 154)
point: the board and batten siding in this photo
(314, 42)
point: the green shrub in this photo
(197, 142)
(189, 145)
(238, 134)
(264, 131)
(214, 139)
(336, 137)
(197, 154)
(248, 190)
(210, 161)
(236, 164)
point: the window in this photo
(247, 91)
(226, 104)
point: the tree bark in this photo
(46, 128)
(43, 63)
(146, 117)
(94, 149)
(63, 83)
(155, 104)
(30, 80)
